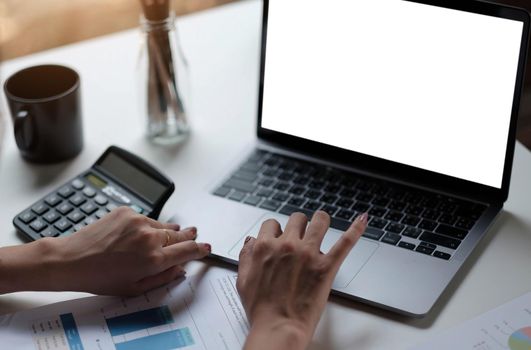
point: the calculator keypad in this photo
(68, 210)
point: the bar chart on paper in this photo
(507, 327)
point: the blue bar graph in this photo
(175, 339)
(71, 332)
(139, 320)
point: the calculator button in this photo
(40, 208)
(38, 225)
(90, 220)
(100, 199)
(26, 217)
(65, 208)
(137, 208)
(100, 213)
(77, 200)
(78, 184)
(53, 200)
(111, 206)
(78, 227)
(75, 216)
(89, 208)
(49, 232)
(89, 192)
(63, 225)
(51, 217)
(66, 192)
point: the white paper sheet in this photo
(201, 312)
(506, 327)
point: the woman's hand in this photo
(123, 253)
(284, 280)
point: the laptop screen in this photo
(416, 84)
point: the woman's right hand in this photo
(284, 279)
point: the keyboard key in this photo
(451, 231)
(136, 208)
(282, 186)
(90, 220)
(251, 167)
(373, 233)
(397, 205)
(329, 209)
(440, 240)
(27, 217)
(111, 206)
(332, 188)
(411, 220)
(66, 192)
(391, 238)
(345, 202)
(312, 194)
(348, 193)
(361, 207)
(316, 185)
(78, 184)
(75, 216)
(297, 201)
(290, 209)
(340, 224)
(89, 208)
(52, 200)
(264, 192)
(40, 208)
(101, 213)
(51, 216)
(424, 250)
(312, 205)
(222, 191)
(49, 232)
(365, 197)
(447, 207)
(447, 219)
(63, 225)
(412, 232)
(240, 185)
(328, 198)
(406, 245)
(442, 255)
(380, 201)
(38, 225)
(302, 180)
(78, 227)
(345, 214)
(237, 196)
(427, 225)
(102, 200)
(77, 200)
(65, 208)
(378, 223)
(394, 216)
(428, 245)
(270, 205)
(281, 197)
(431, 214)
(414, 210)
(464, 224)
(395, 228)
(377, 211)
(297, 190)
(89, 192)
(286, 176)
(245, 175)
(252, 200)
(266, 182)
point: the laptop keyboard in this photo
(401, 216)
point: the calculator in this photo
(118, 178)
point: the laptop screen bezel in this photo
(403, 172)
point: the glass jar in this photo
(164, 82)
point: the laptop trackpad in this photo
(352, 264)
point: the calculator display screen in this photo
(132, 177)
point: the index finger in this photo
(343, 246)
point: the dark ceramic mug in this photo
(46, 111)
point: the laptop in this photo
(406, 110)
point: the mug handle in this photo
(25, 131)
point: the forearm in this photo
(282, 336)
(29, 267)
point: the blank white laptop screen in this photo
(415, 84)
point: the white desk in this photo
(223, 48)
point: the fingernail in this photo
(207, 246)
(247, 239)
(192, 230)
(363, 218)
